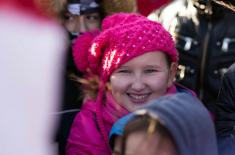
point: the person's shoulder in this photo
(230, 74)
(231, 69)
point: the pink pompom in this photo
(81, 48)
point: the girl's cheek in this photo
(119, 83)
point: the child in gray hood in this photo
(171, 125)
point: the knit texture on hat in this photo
(125, 36)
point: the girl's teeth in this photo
(138, 97)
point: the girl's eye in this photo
(150, 70)
(124, 71)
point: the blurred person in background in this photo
(205, 38)
(225, 105)
(32, 53)
(176, 124)
(77, 17)
(81, 16)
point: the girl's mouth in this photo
(138, 98)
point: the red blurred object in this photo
(31, 6)
(145, 7)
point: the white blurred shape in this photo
(31, 58)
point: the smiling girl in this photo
(135, 61)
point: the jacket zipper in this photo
(203, 62)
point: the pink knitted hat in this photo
(125, 36)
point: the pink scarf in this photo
(112, 112)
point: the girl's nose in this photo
(137, 83)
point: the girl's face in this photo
(142, 79)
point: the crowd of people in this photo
(128, 77)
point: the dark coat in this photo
(225, 114)
(206, 46)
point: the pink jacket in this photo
(85, 137)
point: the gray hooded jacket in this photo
(187, 120)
